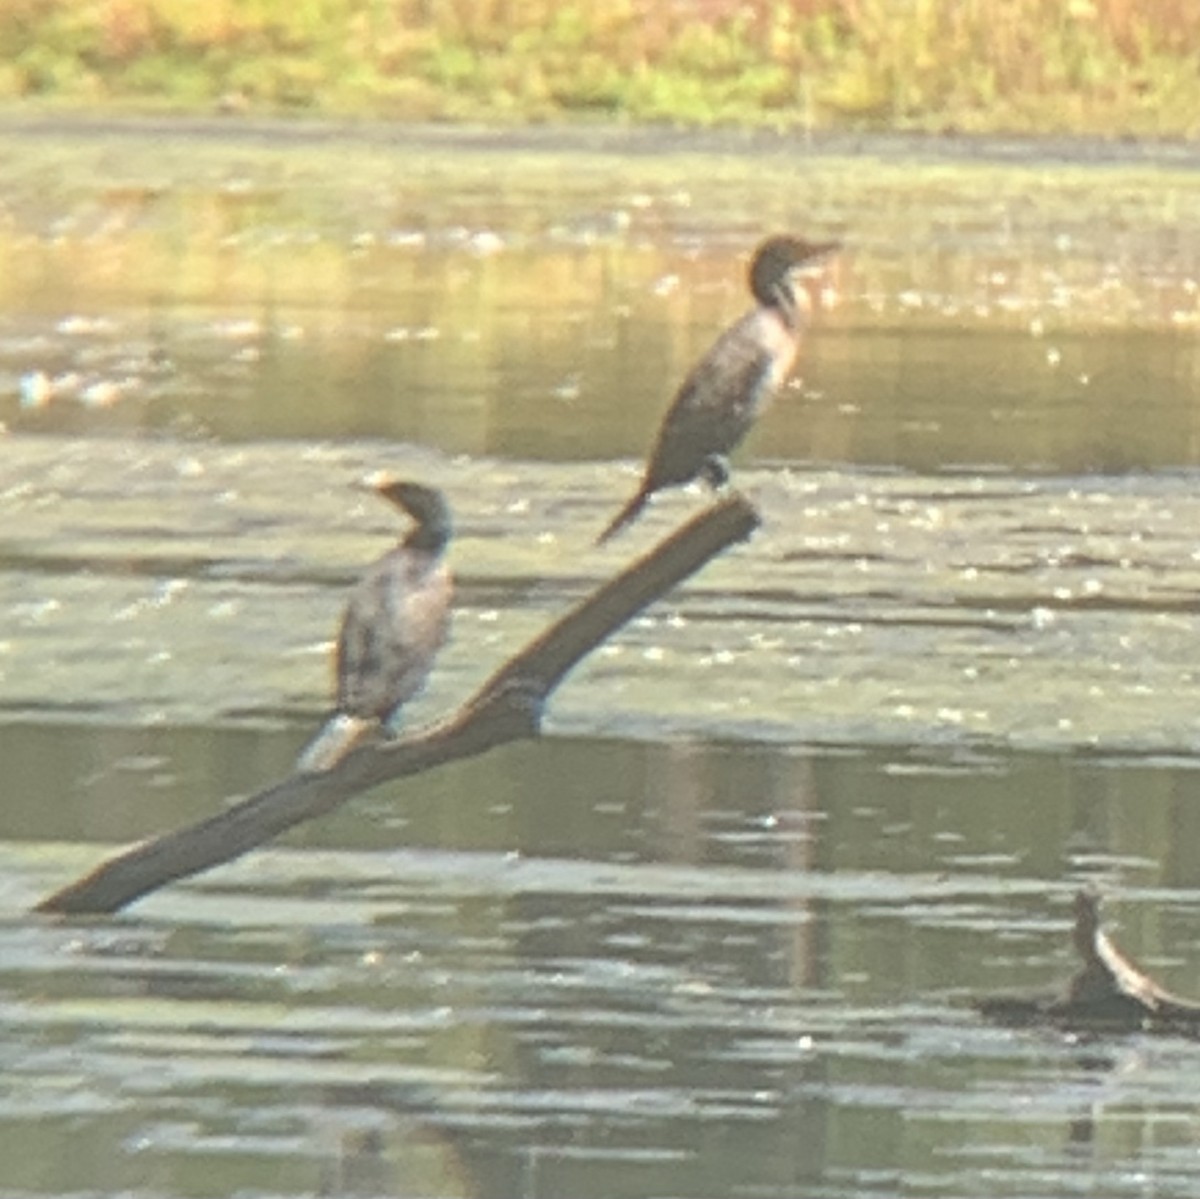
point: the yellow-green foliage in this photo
(1119, 66)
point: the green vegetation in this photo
(1106, 66)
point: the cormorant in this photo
(394, 624)
(725, 391)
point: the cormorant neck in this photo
(429, 511)
(430, 536)
(783, 299)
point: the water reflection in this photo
(735, 807)
(690, 968)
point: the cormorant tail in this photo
(339, 735)
(627, 515)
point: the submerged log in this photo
(1109, 992)
(508, 707)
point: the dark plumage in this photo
(394, 624)
(726, 390)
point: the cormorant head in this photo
(777, 261)
(426, 505)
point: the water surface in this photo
(717, 933)
(488, 296)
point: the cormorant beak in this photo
(816, 258)
(375, 482)
(382, 485)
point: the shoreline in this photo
(616, 139)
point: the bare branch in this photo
(507, 707)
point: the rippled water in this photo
(718, 933)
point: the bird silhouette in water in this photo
(395, 622)
(726, 390)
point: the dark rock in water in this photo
(1108, 992)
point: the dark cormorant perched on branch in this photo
(726, 390)
(394, 624)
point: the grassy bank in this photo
(1092, 66)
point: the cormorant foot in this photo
(715, 471)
